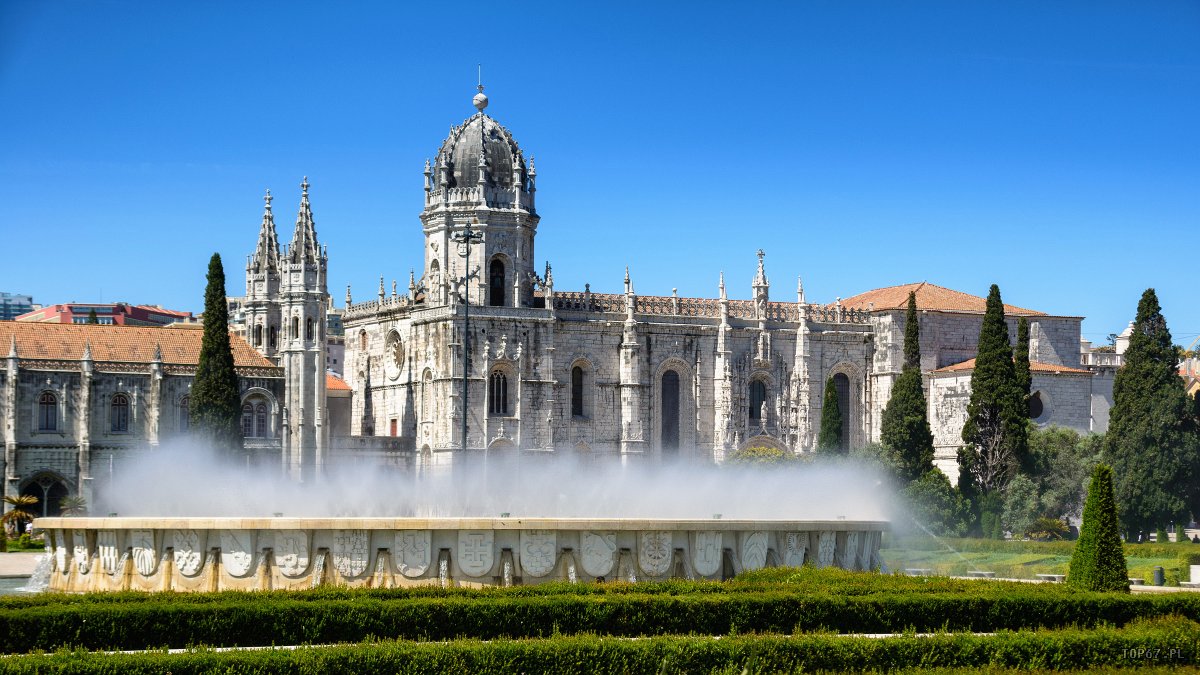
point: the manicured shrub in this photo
(1098, 562)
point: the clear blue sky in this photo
(1052, 148)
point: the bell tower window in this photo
(496, 283)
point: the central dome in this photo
(458, 158)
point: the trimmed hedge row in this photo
(1172, 642)
(249, 621)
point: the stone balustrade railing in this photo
(1102, 359)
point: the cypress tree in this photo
(1152, 442)
(215, 397)
(1098, 560)
(905, 432)
(995, 437)
(829, 439)
(1021, 362)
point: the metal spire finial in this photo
(304, 187)
(480, 100)
(268, 199)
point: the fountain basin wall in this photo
(211, 554)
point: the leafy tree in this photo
(1098, 561)
(936, 505)
(1061, 464)
(829, 438)
(215, 408)
(905, 431)
(18, 512)
(994, 436)
(1022, 505)
(760, 456)
(1152, 441)
(92, 318)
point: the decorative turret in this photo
(304, 246)
(266, 254)
(762, 289)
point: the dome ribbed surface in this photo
(460, 153)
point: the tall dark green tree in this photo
(995, 434)
(92, 318)
(829, 438)
(215, 407)
(1021, 362)
(1098, 560)
(1152, 441)
(905, 433)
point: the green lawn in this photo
(1026, 559)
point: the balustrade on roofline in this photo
(497, 197)
(574, 301)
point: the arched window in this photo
(119, 414)
(274, 336)
(258, 341)
(362, 340)
(577, 391)
(498, 394)
(758, 396)
(496, 283)
(48, 412)
(185, 413)
(1037, 407)
(260, 420)
(308, 329)
(842, 384)
(247, 421)
(295, 327)
(670, 413)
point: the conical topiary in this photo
(829, 438)
(1098, 561)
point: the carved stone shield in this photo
(189, 552)
(413, 552)
(291, 552)
(826, 545)
(754, 550)
(108, 548)
(654, 552)
(849, 557)
(795, 547)
(475, 551)
(351, 552)
(60, 551)
(597, 550)
(145, 553)
(538, 548)
(79, 549)
(237, 551)
(706, 553)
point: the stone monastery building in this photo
(620, 377)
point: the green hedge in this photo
(249, 620)
(1172, 642)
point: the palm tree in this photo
(19, 513)
(73, 505)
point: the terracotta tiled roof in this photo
(127, 344)
(335, 383)
(929, 296)
(1034, 367)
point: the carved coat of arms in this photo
(413, 552)
(108, 547)
(706, 553)
(145, 553)
(538, 548)
(754, 550)
(597, 549)
(654, 552)
(79, 549)
(189, 552)
(475, 551)
(237, 551)
(794, 548)
(351, 552)
(291, 552)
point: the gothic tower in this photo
(303, 304)
(262, 289)
(480, 178)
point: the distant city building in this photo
(107, 314)
(12, 305)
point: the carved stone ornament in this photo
(413, 552)
(60, 551)
(654, 552)
(393, 358)
(794, 548)
(145, 553)
(754, 550)
(706, 553)
(79, 549)
(291, 552)
(849, 557)
(237, 551)
(538, 549)
(351, 552)
(597, 549)
(189, 552)
(108, 550)
(475, 551)
(826, 545)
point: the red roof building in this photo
(110, 314)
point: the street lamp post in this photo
(465, 239)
